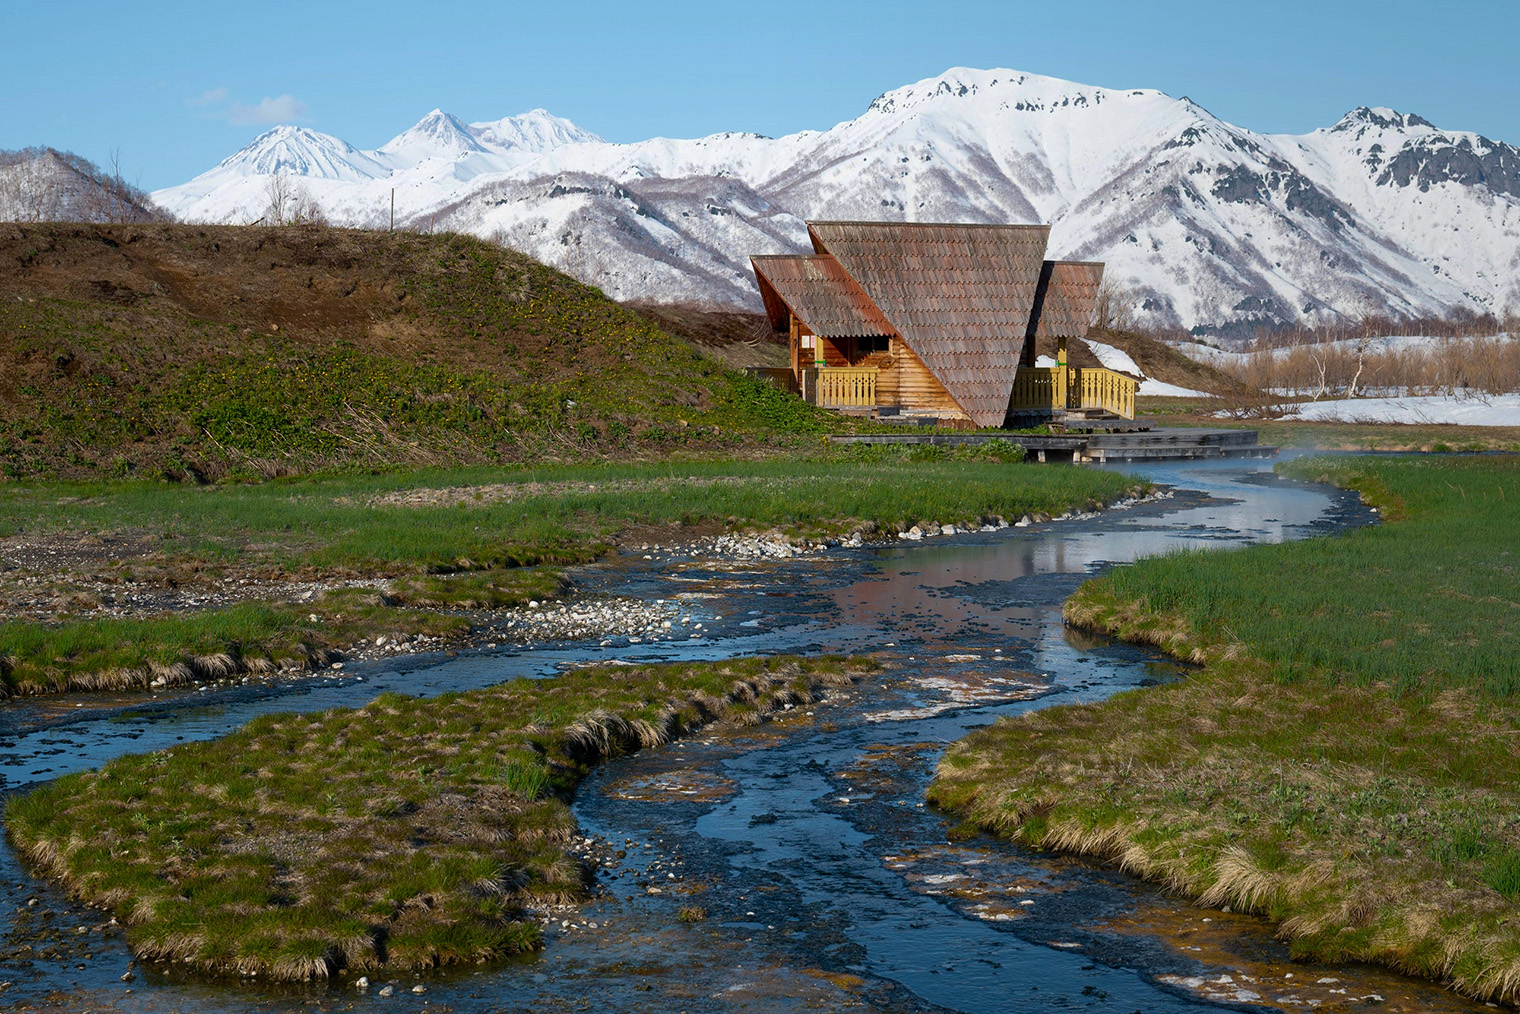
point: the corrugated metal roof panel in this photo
(817, 289)
(960, 295)
(1067, 299)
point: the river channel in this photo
(790, 866)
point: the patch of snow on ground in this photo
(1156, 388)
(1473, 410)
(1114, 359)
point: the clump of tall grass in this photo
(401, 836)
(1344, 762)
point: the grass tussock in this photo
(401, 836)
(1345, 761)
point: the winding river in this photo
(790, 866)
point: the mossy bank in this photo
(405, 835)
(1344, 762)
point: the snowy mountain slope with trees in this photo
(46, 185)
(1202, 223)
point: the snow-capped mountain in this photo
(436, 135)
(537, 130)
(300, 152)
(1202, 223)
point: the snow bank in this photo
(1491, 410)
(1114, 359)
(1156, 388)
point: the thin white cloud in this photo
(217, 104)
(283, 109)
(210, 97)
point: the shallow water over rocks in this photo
(791, 866)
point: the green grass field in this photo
(451, 539)
(402, 836)
(1344, 762)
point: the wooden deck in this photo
(1147, 445)
(1054, 389)
(840, 386)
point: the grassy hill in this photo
(206, 352)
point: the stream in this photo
(793, 865)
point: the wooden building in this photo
(939, 321)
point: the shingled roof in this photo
(961, 296)
(820, 293)
(1067, 299)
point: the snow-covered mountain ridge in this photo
(1202, 222)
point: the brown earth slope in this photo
(734, 336)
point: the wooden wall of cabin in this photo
(902, 379)
(917, 389)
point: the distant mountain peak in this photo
(438, 134)
(1380, 117)
(537, 130)
(300, 151)
(1019, 90)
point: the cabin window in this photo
(874, 343)
(808, 341)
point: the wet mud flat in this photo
(794, 866)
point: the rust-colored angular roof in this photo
(961, 296)
(1067, 299)
(820, 293)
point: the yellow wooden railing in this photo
(840, 386)
(1066, 387)
(1104, 389)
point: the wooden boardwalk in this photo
(1146, 445)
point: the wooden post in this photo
(1062, 378)
(795, 341)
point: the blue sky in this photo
(177, 86)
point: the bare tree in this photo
(1321, 363)
(1115, 307)
(116, 190)
(280, 192)
(291, 203)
